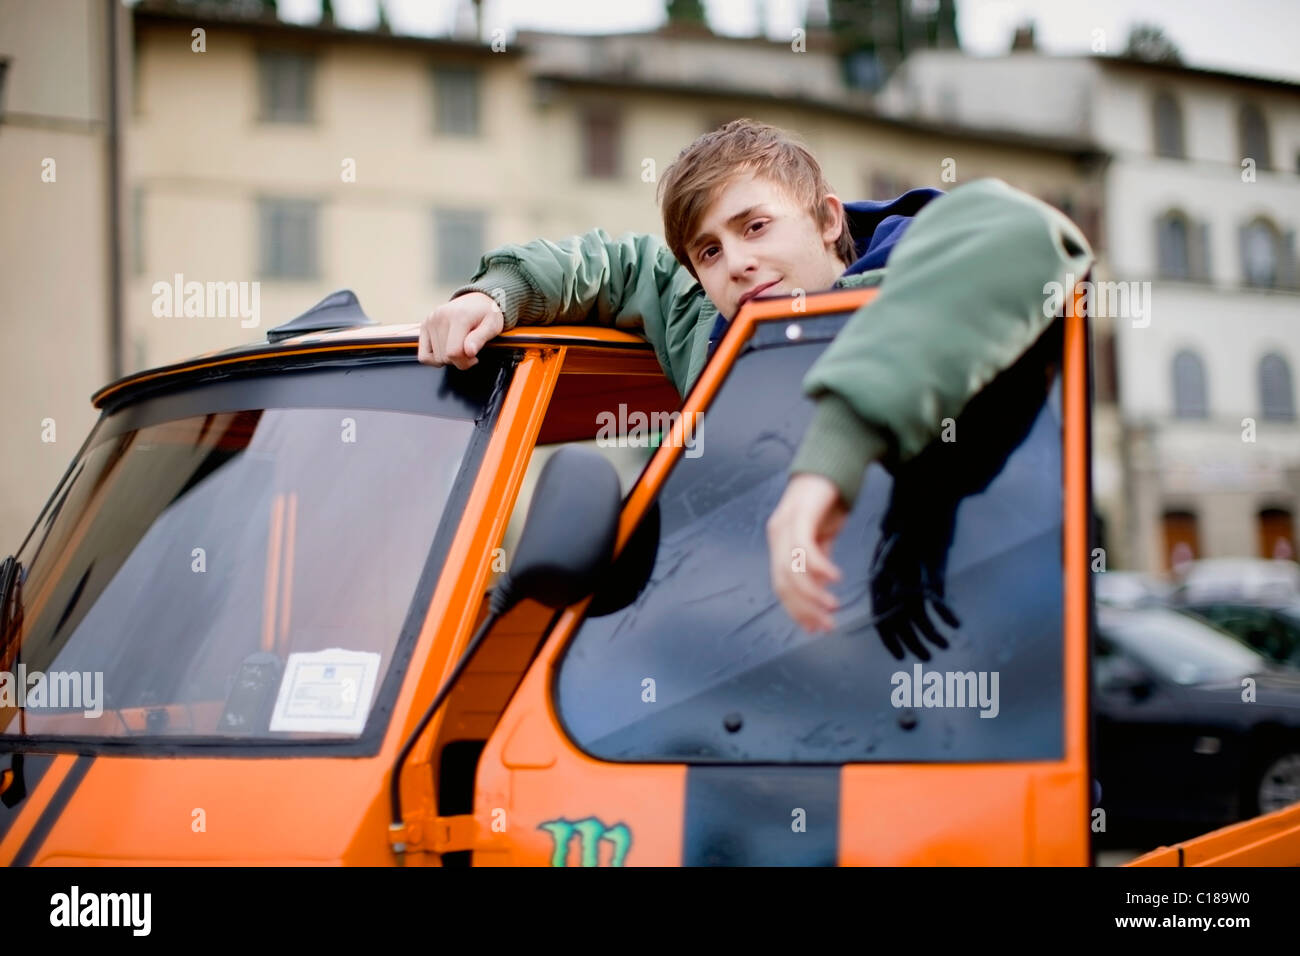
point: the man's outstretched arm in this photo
(962, 299)
(632, 283)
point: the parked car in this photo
(1238, 579)
(1273, 630)
(1128, 589)
(1193, 726)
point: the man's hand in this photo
(455, 331)
(799, 536)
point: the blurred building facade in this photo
(304, 159)
(1199, 454)
(61, 213)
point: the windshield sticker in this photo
(326, 692)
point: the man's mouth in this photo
(756, 291)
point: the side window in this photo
(622, 422)
(733, 678)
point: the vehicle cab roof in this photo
(364, 342)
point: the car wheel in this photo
(1278, 783)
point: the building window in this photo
(1276, 534)
(887, 186)
(1261, 254)
(601, 135)
(1276, 396)
(1105, 376)
(456, 101)
(458, 244)
(1189, 386)
(286, 79)
(1168, 126)
(288, 238)
(1252, 132)
(1173, 250)
(1181, 539)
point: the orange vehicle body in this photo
(91, 808)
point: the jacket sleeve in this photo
(584, 279)
(967, 290)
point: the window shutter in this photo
(1243, 247)
(1287, 271)
(1201, 252)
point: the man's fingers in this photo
(425, 355)
(489, 327)
(457, 331)
(821, 565)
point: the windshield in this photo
(705, 665)
(1180, 648)
(241, 572)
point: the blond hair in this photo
(703, 169)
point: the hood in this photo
(877, 225)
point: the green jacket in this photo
(962, 297)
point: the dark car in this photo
(1271, 629)
(1193, 726)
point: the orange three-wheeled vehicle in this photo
(282, 611)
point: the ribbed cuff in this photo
(839, 445)
(520, 303)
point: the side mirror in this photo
(568, 538)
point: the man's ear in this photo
(836, 221)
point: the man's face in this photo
(756, 238)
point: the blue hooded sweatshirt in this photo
(876, 226)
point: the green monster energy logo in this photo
(590, 832)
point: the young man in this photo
(747, 212)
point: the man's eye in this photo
(758, 225)
(704, 256)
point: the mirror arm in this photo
(397, 828)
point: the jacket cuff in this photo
(520, 303)
(839, 445)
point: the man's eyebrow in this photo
(743, 214)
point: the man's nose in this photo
(740, 261)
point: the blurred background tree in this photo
(686, 13)
(873, 36)
(1148, 42)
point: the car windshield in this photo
(705, 665)
(1179, 647)
(209, 569)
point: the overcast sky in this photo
(1241, 36)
